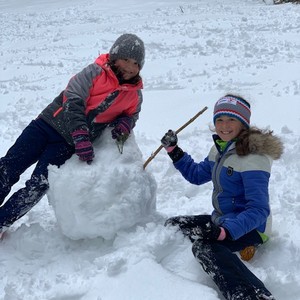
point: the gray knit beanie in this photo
(233, 106)
(128, 46)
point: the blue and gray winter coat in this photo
(240, 182)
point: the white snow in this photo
(109, 242)
(112, 194)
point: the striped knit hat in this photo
(233, 106)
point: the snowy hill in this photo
(196, 51)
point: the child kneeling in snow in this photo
(105, 93)
(239, 166)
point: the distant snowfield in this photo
(196, 51)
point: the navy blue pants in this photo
(39, 143)
(218, 260)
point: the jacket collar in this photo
(223, 148)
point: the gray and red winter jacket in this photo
(93, 99)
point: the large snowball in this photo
(111, 194)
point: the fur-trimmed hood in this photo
(259, 141)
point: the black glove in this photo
(169, 142)
(169, 139)
(210, 232)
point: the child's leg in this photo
(228, 272)
(24, 153)
(51, 148)
(189, 225)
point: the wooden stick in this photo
(177, 131)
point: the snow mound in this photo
(113, 193)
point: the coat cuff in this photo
(176, 154)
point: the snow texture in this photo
(112, 194)
(99, 234)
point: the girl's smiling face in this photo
(228, 128)
(128, 68)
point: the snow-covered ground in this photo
(196, 51)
